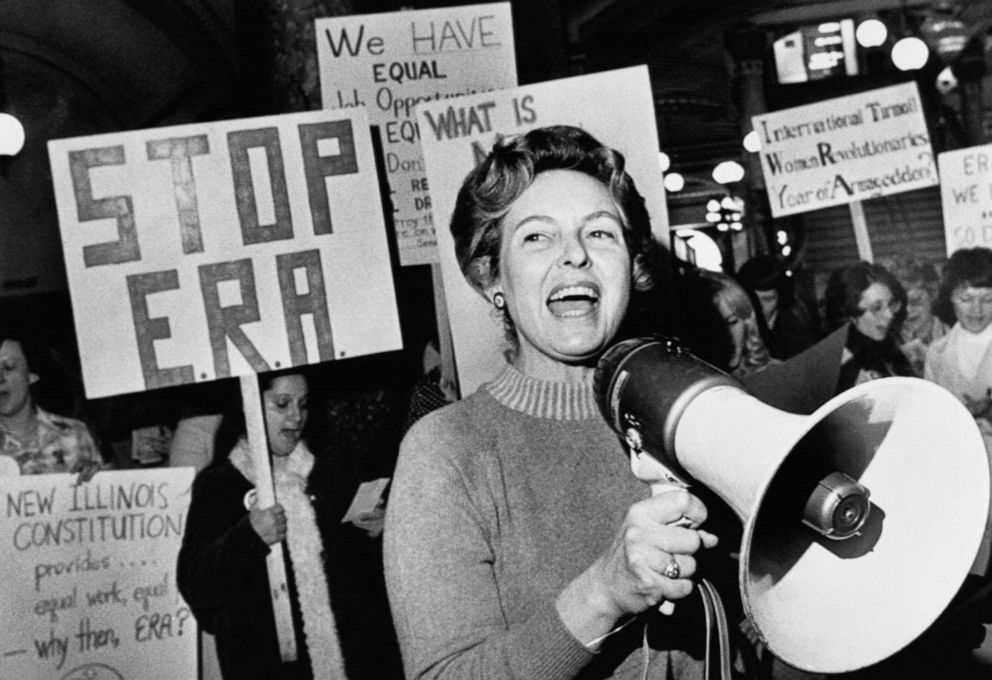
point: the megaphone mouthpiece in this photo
(838, 507)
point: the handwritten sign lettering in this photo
(459, 133)
(966, 197)
(389, 63)
(846, 149)
(213, 250)
(89, 576)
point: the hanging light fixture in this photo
(664, 161)
(11, 135)
(871, 33)
(726, 213)
(910, 53)
(752, 141)
(727, 172)
(11, 129)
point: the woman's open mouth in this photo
(574, 300)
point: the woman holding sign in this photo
(517, 542)
(222, 563)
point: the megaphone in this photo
(861, 521)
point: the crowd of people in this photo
(516, 542)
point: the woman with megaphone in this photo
(517, 542)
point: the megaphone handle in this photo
(667, 607)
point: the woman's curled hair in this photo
(966, 267)
(490, 189)
(845, 286)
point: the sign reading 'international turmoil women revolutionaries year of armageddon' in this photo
(458, 133)
(846, 149)
(390, 62)
(211, 250)
(89, 587)
(966, 197)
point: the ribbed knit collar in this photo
(542, 398)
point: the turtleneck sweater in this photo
(498, 502)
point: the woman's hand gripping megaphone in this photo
(662, 480)
(651, 559)
(649, 563)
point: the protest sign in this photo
(228, 248)
(89, 584)
(966, 197)
(391, 61)
(844, 150)
(616, 107)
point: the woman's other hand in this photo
(151, 444)
(372, 522)
(635, 572)
(269, 524)
(86, 468)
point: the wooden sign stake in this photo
(258, 446)
(445, 345)
(861, 231)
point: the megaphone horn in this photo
(861, 520)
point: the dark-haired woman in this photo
(791, 328)
(870, 304)
(961, 361)
(222, 570)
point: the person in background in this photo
(517, 542)
(865, 305)
(33, 440)
(961, 360)
(748, 350)
(868, 304)
(431, 391)
(921, 325)
(221, 567)
(717, 322)
(791, 328)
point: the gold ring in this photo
(672, 569)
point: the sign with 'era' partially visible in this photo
(211, 250)
(89, 577)
(847, 149)
(966, 197)
(391, 61)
